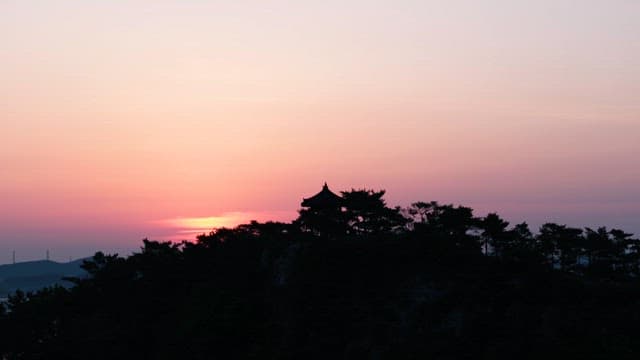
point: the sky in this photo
(122, 120)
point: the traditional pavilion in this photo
(325, 199)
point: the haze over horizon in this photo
(160, 118)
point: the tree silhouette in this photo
(361, 280)
(495, 234)
(366, 212)
(523, 243)
(626, 252)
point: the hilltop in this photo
(351, 278)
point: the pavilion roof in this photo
(324, 199)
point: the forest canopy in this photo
(357, 279)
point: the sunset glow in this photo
(189, 227)
(202, 224)
(116, 116)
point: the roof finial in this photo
(326, 187)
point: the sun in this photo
(201, 224)
(190, 227)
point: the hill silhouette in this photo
(348, 279)
(34, 275)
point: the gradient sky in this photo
(128, 119)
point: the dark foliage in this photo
(363, 281)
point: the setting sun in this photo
(189, 227)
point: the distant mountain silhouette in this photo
(35, 275)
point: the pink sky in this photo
(121, 119)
